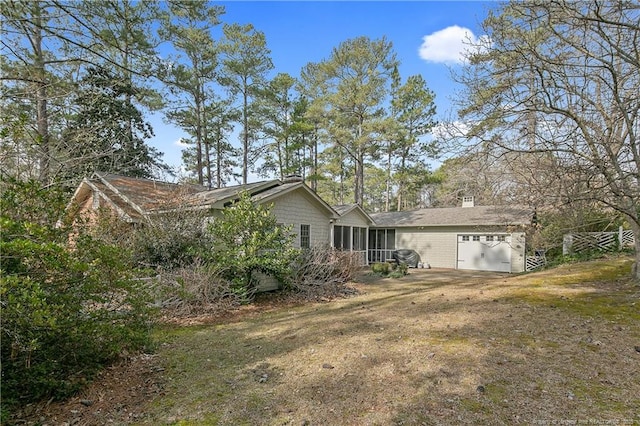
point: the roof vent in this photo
(292, 179)
(468, 202)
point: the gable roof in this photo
(455, 216)
(218, 198)
(132, 198)
(145, 195)
(345, 209)
(135, 199)
(288, 187)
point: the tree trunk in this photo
(635, 270)
(387, 200)
(245, 141)
(359, 172)
(42, 115)
(218, 157)
(314, 172)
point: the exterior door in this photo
(484, 252)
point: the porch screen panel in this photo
(342, 237)
(359, 238)
(382, 242)
(391, 239)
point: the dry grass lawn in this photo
(436, 348)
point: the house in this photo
(473, 237)
(136, 200)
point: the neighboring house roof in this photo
(344, 209)
(455, 216)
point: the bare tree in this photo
(560, 81)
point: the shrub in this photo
(323, 267)
(401, 270)
(67, 309)
(247, 239)
(381, 268)
(195, 288)
(172, 240)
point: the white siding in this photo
(438, 246)
(353, 218)
(296, 208)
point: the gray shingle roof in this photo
(455, 216)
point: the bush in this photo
(67, 309)
(247, 239)
(381, 268)
(173, 240)
(323, 267)
(393, 270)
(401, 270)
(195, 289)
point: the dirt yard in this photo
(434, 348)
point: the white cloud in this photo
(181, 143)
(448, 130)
(450, 45)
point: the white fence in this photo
(605, 241)
(535, 262)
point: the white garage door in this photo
(484, 252)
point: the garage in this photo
(484, 252)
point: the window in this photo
(342, 237)
(305, 236)
(502, 238)
(489, 237)
(476, 238)
(465, 238)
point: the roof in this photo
(344, 209)
(136, 198)
(146, 194)
(455, 216)
(287, 187)
(219, 197)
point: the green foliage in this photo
(403, 269)
(109, 131)
(173, 240)
(392, 270)
(247, 239)
(576, 217)
(67, 309)
(381, 268)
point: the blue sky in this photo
(426, 35)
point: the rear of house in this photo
(488, 238)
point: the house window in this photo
(465, 238)
(489, 237)
(305, 236)
(476, 238)
(502, 238)
(342, 237)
